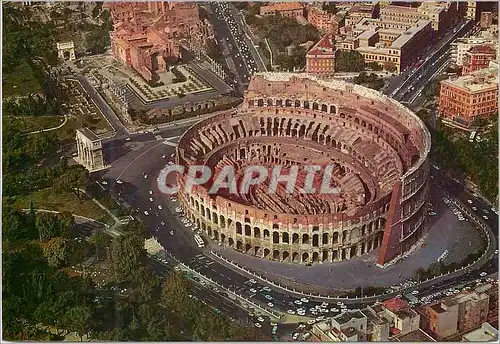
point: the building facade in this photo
(463, 99)
(320, 59)
(477, 58)
(285, 9)
(146, 35)
(325, 22)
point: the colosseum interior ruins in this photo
(379, 150)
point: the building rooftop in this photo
(88, 134)
(408, 34)
(437, 308)
(347, 316)
(284, 6)
(415, 336)
(485, 333)
(479, 80)
(396, 304)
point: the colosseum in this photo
(379, 150)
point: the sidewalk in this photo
(113, 229)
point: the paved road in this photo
(138, 168)
(399, 85)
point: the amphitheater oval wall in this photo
(379, 150)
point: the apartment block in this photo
(386, 42)
(285, 9)
(477, 58)
(440, 320)
(441, 14)
(463, 99)
(325, 22)
(462, 46)
(320, 60)
(486, 333)
(472, 310)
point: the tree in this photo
(57, 251)
(374, 66)
(390, 66)
(101, 241)
(349, 61)
(77, 319)
(330, 7)
(127, 254)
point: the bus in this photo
(472, 136)
(199, 241)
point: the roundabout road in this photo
(138, 170)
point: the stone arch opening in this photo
(306, 104)
(295, 238)
(269, 102)
(239, 245)
(305, 257)
(324, 258)
(315, 106)
(256, 250)
(286, 256)
(248, 247)
(215, 218)
(276, 255)
(335, 237)
(297, 103)
(295, 257)
(276, 238)
(256, 232)
(315, 241)
(266, 252)
(239, 230)
(197, 205)
(288, 103)
(315, 257)
(222, 221)
(344, 236)
(231, 242)
(209, 231)
(335, 255)
(266, 233)
(325, 239)
(260, 102)
(354, 251)
(286, 238)
(305, 239)
(332, 109)
(223, 238)
(248, 230)
(324, 108)
(216, 235)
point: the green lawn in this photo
(33, 123)
(20, 81)
(48, 199)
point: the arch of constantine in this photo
(66, 51)
(89, 150)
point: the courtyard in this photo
(180, 81)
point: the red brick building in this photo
(477, 58)
(463, 99)
(320, 60)
(325, 22)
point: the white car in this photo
(295, 336)
(340, 303)
(482, 274)
(145, 176)
(118, 181)
(127, 139)
(496, 252)
(334, 310)
(150, 192)
(160, 207)
(290, 311)
(297, 302)
(171, 232)
(260, 319)
(415, 292)
(469, 201)
(258, 325)
(304, 300)
(151, 199)
(163, 156)
(474, 208)
(252, 281)
(252, 290)
(266, 289)
(104, 182)
(270, 304)
(146, 212)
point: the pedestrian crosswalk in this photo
(168, 143)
